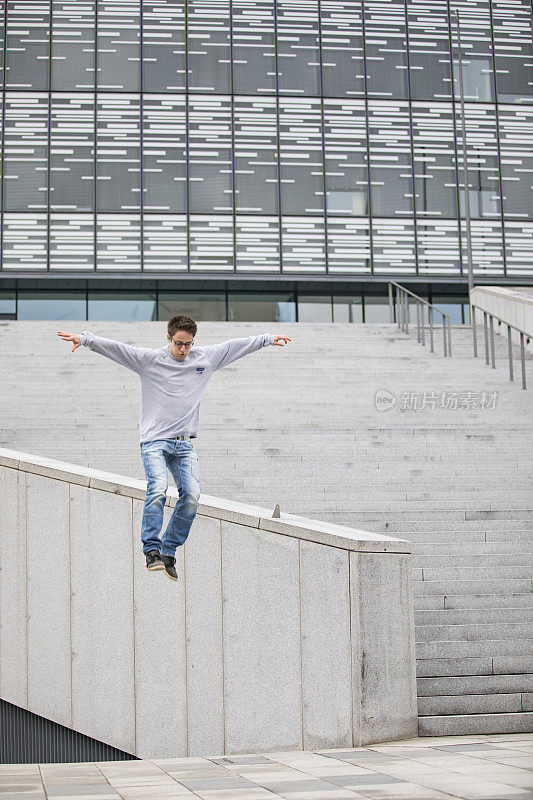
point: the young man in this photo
(173, 381)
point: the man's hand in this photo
(70, 337)
(280, 340)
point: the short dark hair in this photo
(181, 323)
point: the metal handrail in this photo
(489, 340)
(402, 317)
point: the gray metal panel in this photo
(27, 738)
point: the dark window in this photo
(312, 308)
(453, 305)
(513, 50)
(119, 45)
(348, 245)
(257, 244)
(8, 303)
(429, 50)
(343, 71)
(247, 307)
(118, 180)
(347, 309)
(346, 157)
(482, 160)
(256, 155)
(164, 153)
(25, 152)
(303, 244)
(476, 50)
(209, 51)
(165, 242)
(516, 137)
(28, 45)
(118, 242)
(386, 49)
(122, 306)
(254, 54)
(73, 45)
(390, 159)
(201, 306)
(211, 243)
(376, 309)
(434, 160)
(302, 175)
(71, 241)
(298, 47)
(210, 162)
(51, 305)
(72, 152)
(163, 46)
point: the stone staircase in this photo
(299, 426)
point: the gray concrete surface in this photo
(453, 768)
(270, 639)
(299, 426)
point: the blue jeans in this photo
(181, 459)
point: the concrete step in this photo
(462, 649)
(463, 560)
(471, 602)
(471, 574)
(465, 549)
(505, 599)
(474, 684)
(398, 521)
(468, 724)
(470, 704)
(475, 616)
(474, 632)
(473, 587)
(465, 666)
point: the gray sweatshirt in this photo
(171, 390)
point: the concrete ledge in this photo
(281, 634)
(228, 510)
(511, 304)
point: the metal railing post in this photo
(399, 301)
(397, 307)
(491, 324)
(474, 332)
(486, 337)
(523, 360)
(510, 350)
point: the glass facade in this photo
(272, 301)
(281, 137)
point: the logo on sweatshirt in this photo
(200, 369)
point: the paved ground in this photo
(498, 767)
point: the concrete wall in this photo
(514, 305)
(281, 634)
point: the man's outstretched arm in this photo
(133, 358)
(224, 353)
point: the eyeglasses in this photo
(186, 345)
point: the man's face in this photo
(180, 344)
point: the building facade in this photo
(305, 151)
